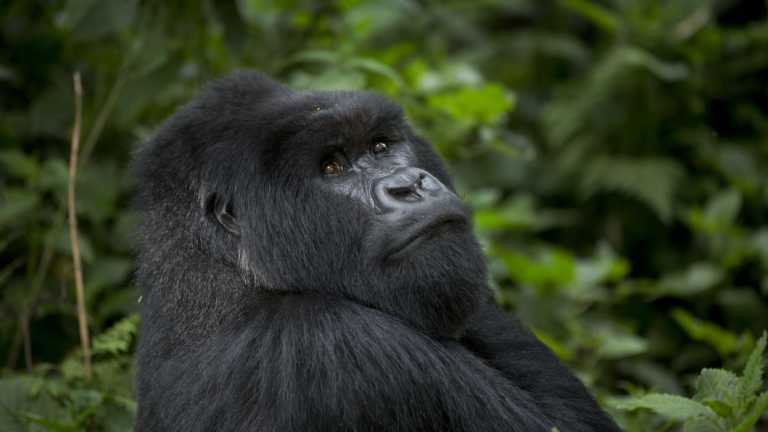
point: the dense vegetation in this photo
(615, 152)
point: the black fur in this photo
(268, 305)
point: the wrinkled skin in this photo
(307, 266)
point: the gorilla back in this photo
(306, 265)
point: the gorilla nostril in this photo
(421, 178)
(404, 193)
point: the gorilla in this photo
(306, 265)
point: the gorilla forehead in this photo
(354, 111)
(334, 118)
(258, 104)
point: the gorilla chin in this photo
(306, 265)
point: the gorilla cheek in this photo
(312, 249)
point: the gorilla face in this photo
(333, 193)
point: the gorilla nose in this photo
(406, 187)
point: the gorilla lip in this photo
(416, 233)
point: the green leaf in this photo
(724, 341)
(656, 376)
(18, 164)
(97, 199)
(669, 406)
(553, 268)
(374, 66)
(574, 115)
(54, 176)
(592, 273)
(50, 425)
(451, 75)
(703, 424)
(484, 104)
(62, 242)
(759, 408)
(16, 397)
(717, 385)
(653, 181)
(699, 277)
(723, 208)
(517, 213)
(666, 71)
(621, 344)
(561, 350)
(752, 378)
(16, 204)
(118, 338)
(105, 272)
(595, 13)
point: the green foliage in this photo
(652, 181)
(57, 398)
(117, 340)
(722, 340)
(483, 105)
(723, 401)
(614, 153)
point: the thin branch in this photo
(73, 233)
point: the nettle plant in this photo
(723, 401)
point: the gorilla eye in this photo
(332, 168)
(380, 147)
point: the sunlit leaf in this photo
(672, 407)
(485, 104)
(717, 385)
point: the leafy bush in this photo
(723, 402)
(59, 398)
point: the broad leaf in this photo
(670, 406)
(717, 385)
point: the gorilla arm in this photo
(312, 363)
(511, 348)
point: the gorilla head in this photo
(324, 192)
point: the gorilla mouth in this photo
(414, 235)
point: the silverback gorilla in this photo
(307, 266)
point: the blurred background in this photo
(615, 153)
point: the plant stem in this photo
(73, 233)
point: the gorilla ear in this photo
(221, 209)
